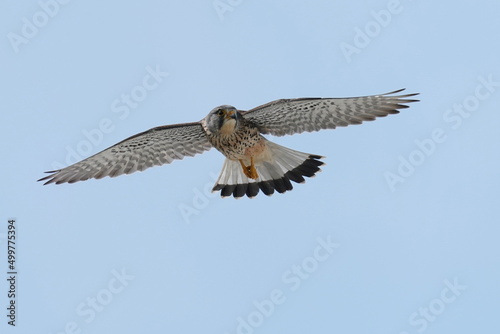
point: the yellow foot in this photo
(252, 171)
(249, 171)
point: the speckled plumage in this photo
(252, 162)
(234, 145)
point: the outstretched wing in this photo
(286, 117)
(154, 147)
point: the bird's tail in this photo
(284, 165)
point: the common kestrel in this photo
(252, 162)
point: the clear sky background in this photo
(398, 234)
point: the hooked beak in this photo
(230, 115)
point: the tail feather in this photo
(281, 166)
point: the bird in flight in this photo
(252, 162)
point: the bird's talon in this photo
(252, 172)
(249, 171)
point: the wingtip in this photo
(395, 91)
(405, 95)
(50, 178)
(43, 179)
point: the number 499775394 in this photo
(11, 245)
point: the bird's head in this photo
(223, 119)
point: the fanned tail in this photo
(284, 165)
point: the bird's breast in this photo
(239, 143)
(228, 127)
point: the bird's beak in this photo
(230, 115)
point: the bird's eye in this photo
(220, 112)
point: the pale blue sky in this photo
(398, 234)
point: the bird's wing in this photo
(154, 147)
(286, 117)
